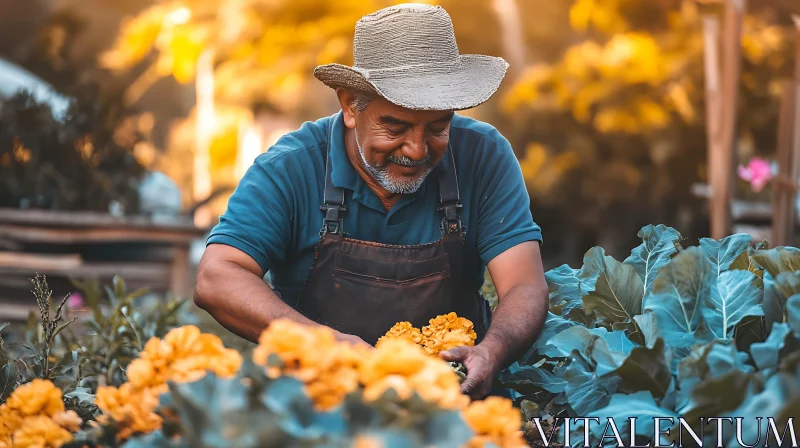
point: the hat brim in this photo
(457, 85)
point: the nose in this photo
(416, 147)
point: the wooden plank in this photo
(155, 272)
(180, 279)
(25, 260)
(30, 234)
(57, 218)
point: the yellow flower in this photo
(403, 366)
(10, 421)
(403, 330)
(448, 331)
(328, 368)
(133, 409)
(40, 432)
(494, 420)
(39, 397)
(68, 420)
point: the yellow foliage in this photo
(601, 14)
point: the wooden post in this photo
(783, 196)
(784, 216)
(722, 88)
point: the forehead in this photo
(380, 107)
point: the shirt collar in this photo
(343, 174)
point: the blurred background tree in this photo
(613, 132)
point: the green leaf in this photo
(564, 285)
(658, 246)
(725, 252)
(646, 324)
(773, 303)
(678, 292)
(717, 396)
(734, 297)
(525, 379)
(552, 326)
(620, 408)
(768, 354)
(793, 313)
(609, 350)
(706, 362)
(645, 369)
(618, 293)
(586, 391)
(779, 393)
(779, 259)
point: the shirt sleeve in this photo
(256, 220)
(504, 215)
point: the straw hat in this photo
(408, 54)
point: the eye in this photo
(438, 130)
(396, 131)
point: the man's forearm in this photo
(240, 300)
(517, 322)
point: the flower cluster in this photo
(442, 333)
(183, 355)
(34, 416)
(447, 331)
(328, 368)
(495, 421)
(406, 368)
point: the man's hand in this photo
(483, 365)
(351, 338)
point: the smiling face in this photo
(396, 147)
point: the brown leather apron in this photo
(364, 288)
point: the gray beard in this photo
(385, 180)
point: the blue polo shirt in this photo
(274, 216)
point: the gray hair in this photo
(361, 100)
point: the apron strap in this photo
(333, 196)
(449, 197)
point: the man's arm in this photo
(522, 294)
(518, 277)
(231, 288)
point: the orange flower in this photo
(496, 421)
(40, 432)
(403, 330)
(39, 397)
(328, 368)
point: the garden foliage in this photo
(672, 330)
(709, 330)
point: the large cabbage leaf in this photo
(734, 297)
(659, 244)
(678, 293)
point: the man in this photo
(389, 210)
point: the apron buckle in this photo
(333, 221)
(451, 222)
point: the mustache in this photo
(408, 162)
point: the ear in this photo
(346, 98)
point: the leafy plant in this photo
(669, 331)
(119, 328)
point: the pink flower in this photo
(75, 301)
(758, 172)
